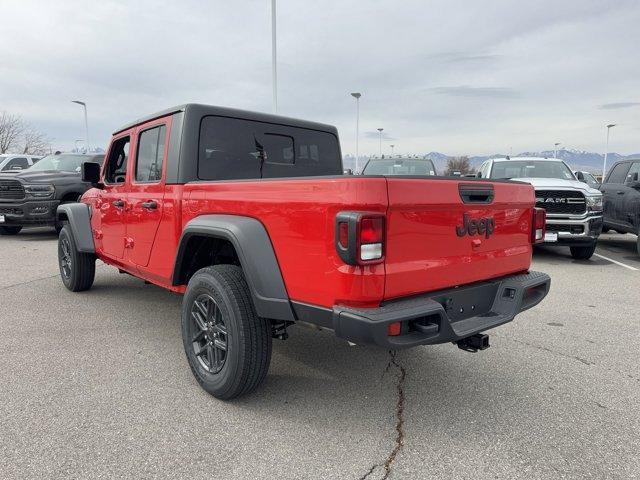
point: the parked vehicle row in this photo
(252, 218)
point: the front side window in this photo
(232, 148)
(590, 180)
(531, 169)
(634, 172)
(618, 173)
(150, 155)
(116, 170)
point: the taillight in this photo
(360, 237)
(539, 225)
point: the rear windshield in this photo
(232, 149)
(531, 169)
(399, 167)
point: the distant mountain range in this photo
(576, 159)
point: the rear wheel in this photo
(10, 230)
(583, 253)
(227, 344)
(77, 269)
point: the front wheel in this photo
(583, 253)
(10, 230)
(228, 346)
(77, 269)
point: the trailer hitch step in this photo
(479, 341)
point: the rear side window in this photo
(150, 155)
(618, 173)
(232, 149)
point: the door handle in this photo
(151, 204)
(620, 192)
(118, 203)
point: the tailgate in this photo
(447, 232)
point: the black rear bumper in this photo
(444, 316)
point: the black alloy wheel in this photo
(209, 333)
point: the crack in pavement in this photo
(399, 440)
(546, 349)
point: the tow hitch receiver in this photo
(479, 341)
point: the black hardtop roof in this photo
(202, 110)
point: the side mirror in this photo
(479, 175)
(91, 174)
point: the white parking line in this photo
(616, 262)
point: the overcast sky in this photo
(460, 77)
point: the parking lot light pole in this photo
(555, 149)
(606, 151)
(357, 96)
(380, 135)
(274, 70)
(392, 150)
(86, 124)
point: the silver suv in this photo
(574, 209)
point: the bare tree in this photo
(458, 164)
(18, 136)
(11, 130)
(35, 142)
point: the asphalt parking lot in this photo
(96, 385)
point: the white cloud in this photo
(459, 77)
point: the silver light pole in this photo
(274, 56)
(555, 149)
(606, 152)
(392, 149)
(380, 135)
(357, 96)
(86, 124)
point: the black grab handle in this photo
(476, 192)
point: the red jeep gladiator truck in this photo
(249, 216)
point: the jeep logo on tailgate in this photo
(480, 226)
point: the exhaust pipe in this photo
(479, 341)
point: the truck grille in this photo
(11, 189)
(561, 201)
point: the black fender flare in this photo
(257, 258)
(79, 219)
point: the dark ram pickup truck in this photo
(249, 216)
(30, 198)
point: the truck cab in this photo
(574, 209)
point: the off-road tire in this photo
(77, 269)
(248, 336)
(10, 230)
(583, 253)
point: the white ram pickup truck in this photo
(574, 209)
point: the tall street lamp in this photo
(555, 149)
(392, 149)
(357, 96)
(606, 152)
(380, 135)
(86, 123)
(273, 56)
